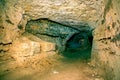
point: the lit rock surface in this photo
(106, 43)
(69, 12)
(23, 48)
(74, 13)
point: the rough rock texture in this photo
(59, 34)
(23, 47)
(16, 13)
(106, 43)
(27, 46)
(10, 18)
(51, 31)
(73, 13)
(101, 15)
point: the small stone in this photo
(23, 47)
(55, 72)
(97, 79)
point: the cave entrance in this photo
(79, 45)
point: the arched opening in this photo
(79, 45)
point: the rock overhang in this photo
(62, 35)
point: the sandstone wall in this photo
(106, 43)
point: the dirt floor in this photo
(52, 67)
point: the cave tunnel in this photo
(79, 45)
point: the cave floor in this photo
(57, 68)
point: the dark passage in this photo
(79, 46)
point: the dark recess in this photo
(79, 46)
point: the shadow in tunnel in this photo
(79, 46)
